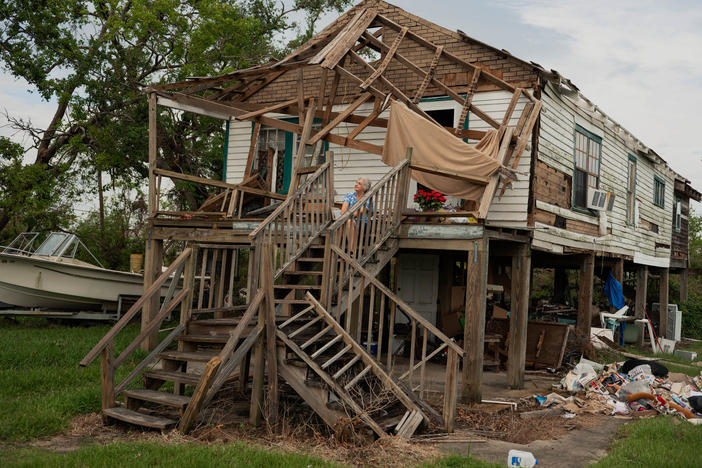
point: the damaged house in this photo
(378, 315)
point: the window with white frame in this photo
(586, 173)
(678, 214)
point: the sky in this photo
(637, 60)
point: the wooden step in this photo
(139, 419)
(310, 259)
(190, 356)
(297, 286)
(173, 376)
(291, 301)
(303, 273)
(162, 398)
(204, 338)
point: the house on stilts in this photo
(359, 314)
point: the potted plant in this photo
(429, 200)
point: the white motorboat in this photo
(51, 277)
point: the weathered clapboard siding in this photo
(512, 208)
(238, 150)
(556, 149)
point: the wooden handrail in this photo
(361, 203)
(153, 289)
(288, 201)
(404, 307)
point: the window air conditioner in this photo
(600, 200)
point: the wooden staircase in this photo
(317, 304)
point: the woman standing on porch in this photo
(352, 226)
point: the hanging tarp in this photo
(436, 147)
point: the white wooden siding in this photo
(556, 149)
(350, 164)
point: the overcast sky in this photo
(638, 60)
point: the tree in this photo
(94, 57)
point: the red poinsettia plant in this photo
(429, 200)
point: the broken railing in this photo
(183, 265)
(369, 322)
(225, 199)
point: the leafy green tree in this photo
(695, 239)
(93, 58)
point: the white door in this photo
(418, 282)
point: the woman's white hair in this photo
(365, 183)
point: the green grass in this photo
(41, 384)
(672, 362)
(455, 461)
(660, 442)
(153, 454)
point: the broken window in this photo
(658, 192)
(631, 190)
(588, 149)
(270, 157)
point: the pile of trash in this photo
(627, 388)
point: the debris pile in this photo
(632, 388)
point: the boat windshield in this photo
(56, 245)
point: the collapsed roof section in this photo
(363, 57)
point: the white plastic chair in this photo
(611, 321)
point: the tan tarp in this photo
(436, 147)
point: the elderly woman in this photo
(353, 230)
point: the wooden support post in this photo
(619, 271)
(107, 374)
(641, 285)
(585, 284)
(450, 391)
(188, 285)
(474, 332)
(683, 285)
(153, 150)
(663, 288)
(152, 269)
(271, 405)
(258, 373)
(519, 316)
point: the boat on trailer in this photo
(51, 281)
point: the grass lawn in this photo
(42, 388)
(41, 384)
(660, 442)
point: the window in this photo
(631, 190)
(588, 149)
(677, 215)
(658, 192)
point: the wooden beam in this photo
(453, 175)
(429, 74)
(271, 358)
(332, 96)
(253, 114)
(339, 118)
(469, 99)
(431, 46)
(254, 89)
(490, 189)
(524, 135)
(331, 55)
(512, 105)
(218, 183)
(585, 284)
(193, 409)
(386, 60)
(519, 316)
(153, 152)
(252, 150)
(304, 137)
(474, 330)
(377, 109)
(300, 94)
(663, 288)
